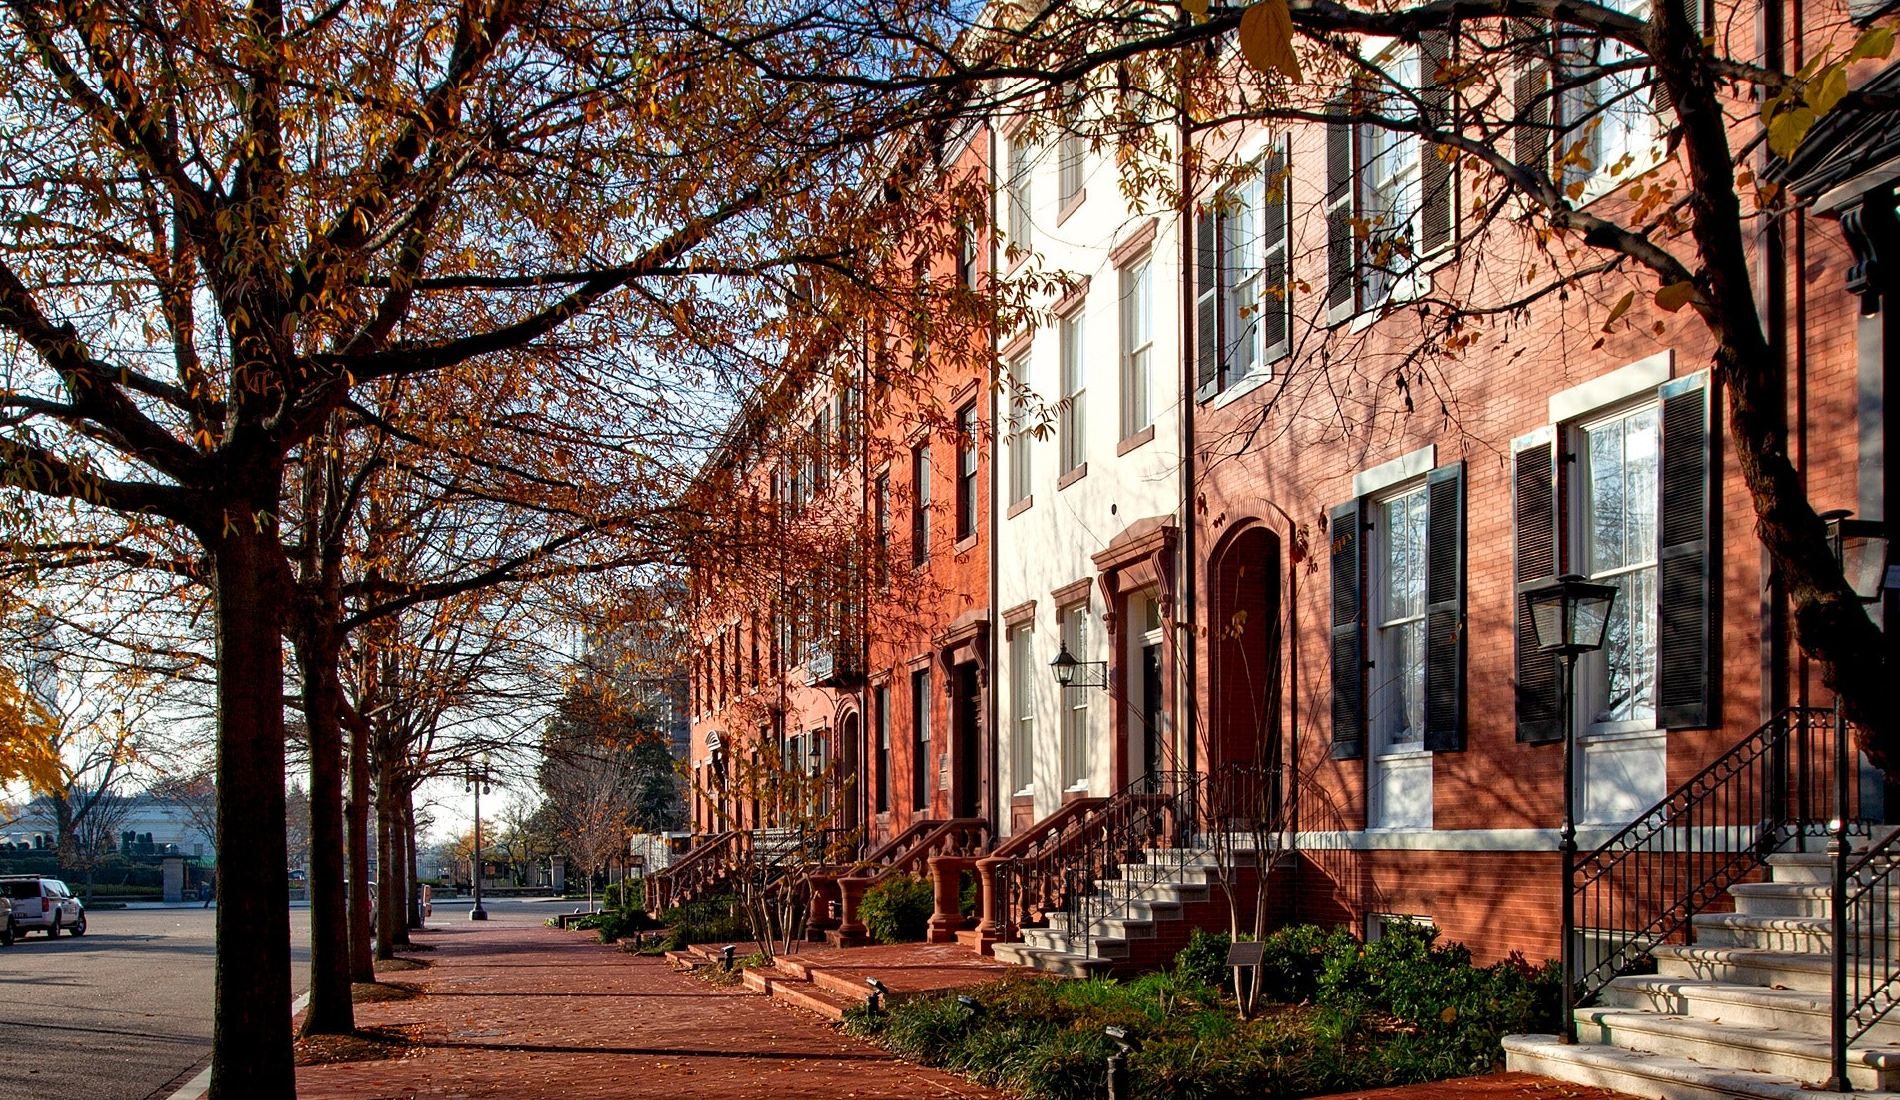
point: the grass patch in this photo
(1400, 1011)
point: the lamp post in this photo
(1570, 617)
(1860, 551)
(478, 783)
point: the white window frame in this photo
(1022, 694)
(1389, 186)
(1074, 620)
(1593, 668)
(1020, 192)
(1624, 119)
(1072, 151)
(1138, 345)
(1389, 623)
(1021, 434)
(1071, 417)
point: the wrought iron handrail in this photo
(688, 870)
(1642, 886)
(1186, 810)
(1059, 866)
(1872, 972)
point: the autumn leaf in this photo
(1622, 306)
(1266, 38)
(1874, 42)
(1195, 8)
(1829, 90)
(1676, 295)
(1786, 130)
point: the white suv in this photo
(43, 904)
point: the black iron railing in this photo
(1776, 788)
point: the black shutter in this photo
(1349, 661)
(1339, 237)
(1435, 201)
(1276, 299)
(1534, 523)
(1530, 98)
(1206, 306)
(1445, 609)
(1685, 636)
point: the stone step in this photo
(782, 985)
(1793, 899)
(1659, 1076)
(1798, 934)
(1054, 961)
(1101, 947)
(1745, 966)
(1752, 1047)
(1798, 1010)
(1128, 928)
(1179, 892)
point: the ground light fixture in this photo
(1125, 1044)
(1571, 617)
(1070, 672)
(728, 951)
(875, 1003)
(971, 1006)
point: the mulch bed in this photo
(399, 964)
(368, 1044)
(376, 992)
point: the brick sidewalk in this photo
(1496, 1086)
(523, 1012)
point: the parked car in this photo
(6, 921)
(43, 905)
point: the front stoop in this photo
(830, 981)
(1741, 1013)
(1158, 903)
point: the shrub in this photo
(1293, 957)
(897, 910)
(715, 920)
(1204, 959)
(628, 895)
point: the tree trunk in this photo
(251, 1042)
(356, 814)
(388, 900)
(409, 860)
(330, 1011)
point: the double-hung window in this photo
(1243, 294)
(1021, 433)
(1138, 346)
(1398, 618)
(1022, 164)
(1022, 695)
(881, 716)
(1071, 153)
(1398, 611)
(1609, 122)
(881, 524)
(921, 764)
(1390, 196)
(1622, 473)
(1075, 701)
(920, 504)
(1071, 419)
(966, 472)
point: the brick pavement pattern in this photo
(1496, 1086)
(524, 1012)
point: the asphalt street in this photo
(124, 1013)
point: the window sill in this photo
(1145, 435)
(1024, 797)
(1071, 206)
(966, 545)
(1408, 752)
(1072, 477)
(1020, 507)
(1242, 388)
(1621, 732)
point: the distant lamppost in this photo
(1070, 672)
(1570, 617)
(478, 783)
(1860, 550)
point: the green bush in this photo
(629, 895)
(616, 924)
(897, 910)
(715, 920)
(1204, 959)
(1399, 1011)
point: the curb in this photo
(195, 1088)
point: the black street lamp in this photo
(1860, 550)
(477, 782)
(1070, 672)
(1570, 617)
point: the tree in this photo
(96, 835)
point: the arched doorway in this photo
(848, 786)
(1245, 651)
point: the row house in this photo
(1236, 538)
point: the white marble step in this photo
(1745, 966)
(1805, 1011)
(1752, 1047)
(1054, 961)
(1660, 1076)
(1794, 934)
